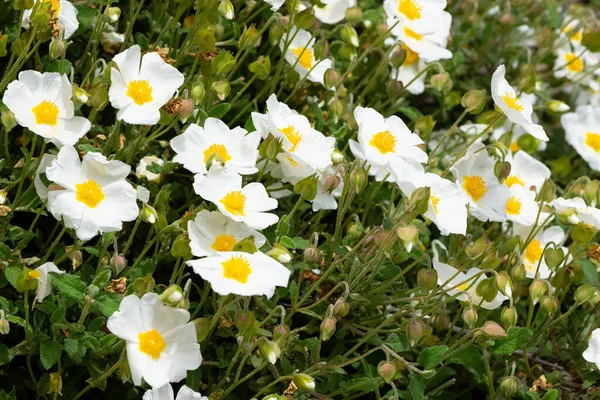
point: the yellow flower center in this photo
(410, 9)
(514, 147)
(46, 113)
(593, 140)
(534, 250)
(237, 268)
(434, 202)
(34, 274)
(474, 186)
(89, 193)
(224, 243)
(152, 343)
(219, 151)
(140, 92)
(574, 63)
(463, 287)
(292, 135)
(412, 34)
(54, 5)
(513, 206)
(234, 202)
(384, 141)
(292, 162)
(513, 180)
(305, 56)
(577, 36)
(512, 102)
(411, 56)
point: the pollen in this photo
(593, 140)
(237, 268)
(89, 193)
(140, 92)
(574, 63)
(513, 180)
(534, 250)
(152, 343)
(292, 162)
(512, 102)
(292, 136)
(474, 186)
(305, 55)
(412, 34)
(34, 274)
(234, 202)
(434, 202)
(463, 287)
(46, 113)
(220, 152)
(514, 147)
(223, 242)
(513, 206)
(410, 9)
(411, 56)
(384, 141)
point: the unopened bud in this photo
(275, 34)
(394, 88)
(328, 328)
(205, 39)
(509, 386)
(547, 192)
(477, 248)
(226, 9)
(347, 52)
(249, 37)
(148, 214)
(502, 170)
(261, 67)
(518, 272)
(358, 179)
(331, 183)
(305, 18)
(549, 305)
(202, 328)
(4, 325)
(58, 49)
(144, 285)
(221, 89)
(332, 78)
(321, 49)
(304, 382)
(172, 294)
(55, 383)
(408, 235)
(590, 193)
(98, 96)
(80, 95)
(198, 92)
(114, 13)
(536, 290)
(311, 254)
(426, 277)
(118, 262)
(419, 200)
(469, 315)
(442, 82)
(337, 157)
(414, 332)
(584, 293)
(349, 35)
(307, 187)
(508, 317)
(425, 126)
(269, 351)
(280, 254)
(8, 120)
(473, 101)
(398, 57)
(354, 15)
(441, 322)
(492, 330)
(557, 106)
(341, 308)
(244, 320)
(504, 284)
(387, 370)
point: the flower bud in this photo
(398, 57)
(274, 396)
(58, 49)
(426, 277)
(419, 200)
(492, 330)
(55, 383)
(331, 183)
(584, 293)
(280, 254)
(504, 284)
(508, 317)
(408, 235)
(205, 39)
(172, 295)
(337, 157)
(328, 328)
(311, 255)
(98, 96)
(114, 13)
(304, 382)
(557, 106)
(502, 170)
(269, 351)
(349, 35)
(394, 88)
(518, 272)
(321, 49)
(509, 386)
(307, 187)
(244, 320)
(425, 126)
(118, 262)
(186, 109)
(332, 78)
(249, 37)
(442, 82)
(8, 120)
(221, 89)
(223, 63)
(80, 95)
(148, 214)
(414, 332)
(261, 67)
(276, 33)
(547, 192)
(554, 257)
(469, 315)
(590, 193)
(4, 325)
(347, 52)
(387, 370)
(202, 328)
(354, 15)
(473, 101)
(358, 179)
(281, 333)
(305, 18)
(198, 92)
(226, 9)
(549, 305)
(341, 308)
(536, 290)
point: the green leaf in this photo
(287, 242)
(107, 303)
(551, 395)
(470, 358)
(75, 347)
(300, 243)
(416, 387)
(88, 148)
(12, 395)
(50, 353)
(591, 40)
(5, 251)
(515, 340)
(397, 342)
(219, 110)
(56, 65)
(431, 356)
(58, 315)
(69, 285)
(12, 275)
(5, 354)
(85, 15)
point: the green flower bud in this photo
(583, 233)
(221, 89)
(117, 264)
(144, 285)
(547, 192)
(442, 82)
(275, 34)
(172, 295)
(358, 179)
(4, 325)
(205, 39)
(426, 277)
(419, 200)
(332, 78)
(341, 308)
(305, 18)
(270, 148)
(55, 383)
(321, 49)
(244, 320)
(549, 305)
(387, 370)
(274, 396)
(398, 57)
(502, 170)
(8, 120)
(80, 95)
(536, 290)
(584, 293)
(249, 37)
(554, 257)
(469, 315)
(304, 382)
(337, 157)
(281, 333)
(311, 255)
(425, 126)
(148, 214)
(58, 49)
(223, 63)
(590, 193)
(198, 92)
(98, 96)
(509, 386)
(518, 272)
(504, 283)
(226, 9)
(337, 108)
(492, 330)
(394, 88)
(280, 254)
(269, 351)
(328, 328)
(508, 317)
(307, 187)
(487, 289)
(349, 35)
(414, 332)
(354, 15)
(261, 67)
(408, 236)
(557, 106)
(202, 328)
(114, 13)
(347, 52)
(473, 101)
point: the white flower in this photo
(242, 273)
(447, 205)
(572, 31)
(582, 131)
(166, 393)
(112, 37)
(91, 196)
(142, 172)
(275, 4)
(518, 110)
(334, 10)
(300, 54)
(526, 171)
(212, 232)
(300, 141)
(66, 18)
(137, 90)
(42, 103)
(521, 207)
(40, 187)
(381, 140)
(410, 71)
(466, 285)
(243, 204)
(534, 252)
(475, 178)
(577, 211)
(161, 342)
(592, 353)
(570, 64)
(517, 130)
(233, 149)
(44, 280)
